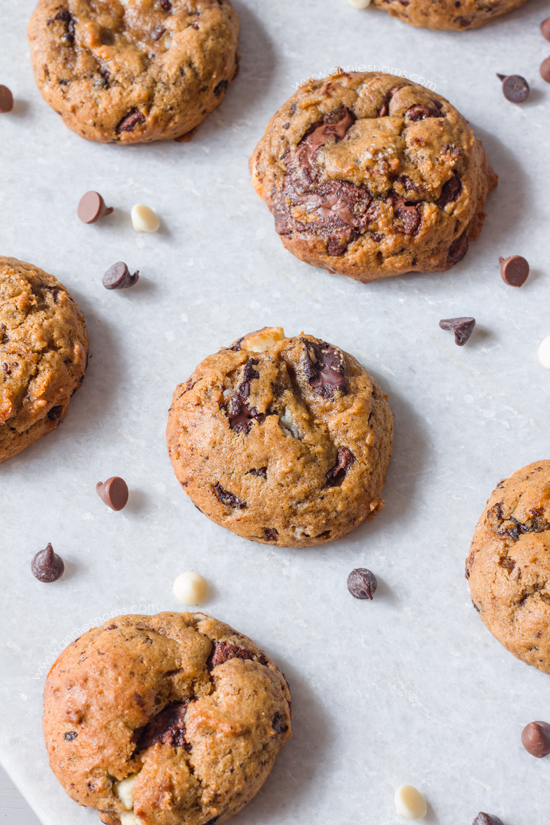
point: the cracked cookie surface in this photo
(43, 354)
(284, 441)
(133, 71)
(370, 175)
(508, 567)
(458, 15)
(164, 720)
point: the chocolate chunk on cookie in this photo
(370, 177)
(177, 707)
(134, 72)
(284, 441)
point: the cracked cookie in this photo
(508, 567)
(284, 441)
(370, 175)
(43, 354)
(133, 71)
(163, 720)
(458, 15)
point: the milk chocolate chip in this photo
(114, 492)
(6, 100)
(514, 270)
(545, 28)
(535, 738)
(47, 566)
(462, 328)
(92, 207)
(545, 69)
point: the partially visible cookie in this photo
(508, 568)
(370, 175)
(458, 15)
(134, 71)
(43, 354)
(164, 720)
(284, 441)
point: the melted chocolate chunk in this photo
(271, 533)
(449, 192)
(407, 212)
(55, 413)
(130, 121)
(513, 529)
(335, 125)
(384, 109)
(416, 113)
(278, 724)
(240, 414)
(458, 249)
(345, 459)
(229, 499)
(69, 21)
(166, 728)
(221, 87)
(325, 368)
(224, 651)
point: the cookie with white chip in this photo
(167, 719)
(284, 441)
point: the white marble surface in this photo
(408, 688)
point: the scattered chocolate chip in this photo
(487, 819)
(462, 328)
(6, 100)
(71, 736)
(47, 566)
(92, 207)
(345, 459)
(229, 499)
(118, 277)
(166, 728)
(535, 738)
(130, 121)
(545, 69)
(514, 87)
(114, 492)
(514, 270)
(458, 249)
(545, 28)
(224, 651)
(55, 413)
(271, 533)
(416, 113)
(221, 87)
(324, 368)
(449, 192)
(362, 583)
(277, 723)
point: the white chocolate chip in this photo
(129, 819)
(190, 588)
(262, 339)
(410, 803)
(359, 4)
(144, 219)
(125, 791)
(544, 353)
(288, 425)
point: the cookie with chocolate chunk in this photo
(173, 718)
(43, 354)
(284, 441)
(128, 72)
(457, 15)
(508, 567)
(370, 175)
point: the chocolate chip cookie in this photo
(167, 719)
(43, 354)
(508, 568)
(284, 441)
(134, 71)
(370, 175)
(458, 15)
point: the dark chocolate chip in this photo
(514, 270)
(271, 533)
(449, 192)
(362, 583)
(71, 736)
(212, 821)
(118, 277)
(157, 32)
(130, 121)
(514, 87)
(545, 28)
(324, 368)
(165, 5)
(114, 492)
(240, 414)
(278, 723)
(458, 249)
(545, 69)
(221, 87)
(224, 651)
(345, 459)
(262, 472)
(92, 207)
(405, 211)
(55, 413)
(487, 819)
(6, 100)
(416, 113)
(47, 566)
(462, 328)
(69, 21)
(535, 738)
(166, 728)
(384, 109)
(229, 499)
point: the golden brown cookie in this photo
(508, 568)
(133, 71)
(370, 175)
(164, 720)
(458, 15)
(284, 441)
(43, 354)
